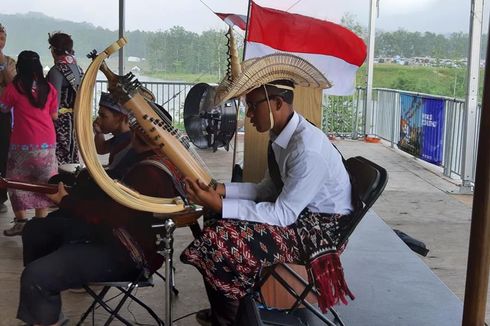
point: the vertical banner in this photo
(410, 124)
(432, 130)
(422, 127)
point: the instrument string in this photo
(166, 124)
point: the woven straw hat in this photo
(259, 71)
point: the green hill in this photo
(449, 82)
(30, 32)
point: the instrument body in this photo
(133, 96)
(162, 137)
(85, 135)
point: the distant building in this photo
(134, 59)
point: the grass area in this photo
(431, 80)
(449, 82)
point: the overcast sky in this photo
(438, 16)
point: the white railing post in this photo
(469, 131)
(368, 119)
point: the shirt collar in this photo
(282, 140)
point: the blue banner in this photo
(432, 130)
(422, 127)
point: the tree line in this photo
(182, 51)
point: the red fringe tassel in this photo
(328, 275)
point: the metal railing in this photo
(386, 115)
(171, 95)
(344, 116)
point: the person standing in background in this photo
(65, 76)
(32, 152)
(7, 74)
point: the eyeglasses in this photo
(253, 105)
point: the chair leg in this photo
(260, 282)
(121, 302)
(308, 288)
(92, 306)
(307, 305)
(300, 298)
(336, 317)
(104, 305)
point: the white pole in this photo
(368, 118)
(470, 132)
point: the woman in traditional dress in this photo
(32, 156)
(65, 76)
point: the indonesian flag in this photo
(336, 51)
(234, 20)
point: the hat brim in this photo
(263, 70)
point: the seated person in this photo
(92, 240)
(295, 214)
(112, 119)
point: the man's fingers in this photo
(202, 185)
(190, 189)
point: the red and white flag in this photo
(234, 20)
(333, 49)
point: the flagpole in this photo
(237, 102)
(246, 29)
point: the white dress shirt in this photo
(313, 174)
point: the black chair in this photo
(368, 182)
(127, 290)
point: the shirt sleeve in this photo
(305, 172)
(251, 191)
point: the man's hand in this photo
(221, 189)
(57, 197)
(201, 194)
(96, 127)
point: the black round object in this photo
(208, 126)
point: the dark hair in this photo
(61, 43)
(109, 102)
(29, 69)
(286, 94)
